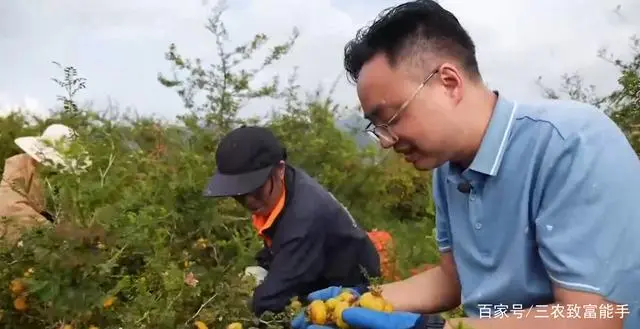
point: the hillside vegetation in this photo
(137, 246)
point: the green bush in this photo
(129, 227)
(135, 230)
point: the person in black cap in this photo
(310, 239)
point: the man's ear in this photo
(453, 81)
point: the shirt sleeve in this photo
(443, 233)
(588, 219)
(296, 263)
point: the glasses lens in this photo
(373, 135)
(385, 136)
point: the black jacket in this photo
(315, 243)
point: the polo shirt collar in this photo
(496, 138)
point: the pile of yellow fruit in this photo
(329, 312)
(18, 291)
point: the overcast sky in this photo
(119, 45)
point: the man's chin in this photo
(425, 164)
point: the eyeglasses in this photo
(382, 133)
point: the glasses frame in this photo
(383, 131)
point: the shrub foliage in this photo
(136, 245)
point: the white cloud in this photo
(519, 40)
(119, 45)
(25, 104)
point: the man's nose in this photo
(401, 147)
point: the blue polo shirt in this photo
(554, 200)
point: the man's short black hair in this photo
(408, 32)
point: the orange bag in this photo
(384, 244)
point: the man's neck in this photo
(480, 103)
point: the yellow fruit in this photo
(317, 312)
(28, 272)
(108, 302)
(20, 303)
(202, 243)
(337, 314)
(234, 325)
(200, 325)
(16, 286)
(369, 301)
(347, 297)
(331, 304)
(388, 308)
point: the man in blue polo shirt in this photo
(538, 217)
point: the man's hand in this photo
(433, 291)
(368, 319)
(299, 321)
(256, 272)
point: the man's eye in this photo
(383, 121)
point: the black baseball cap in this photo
(245, 158)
